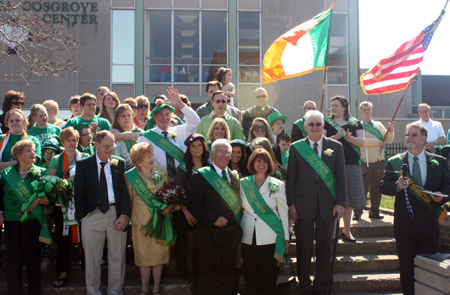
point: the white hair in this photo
(220, 141)
(365, 104)
(307, 103)
(313, 114)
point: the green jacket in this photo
(233, 125)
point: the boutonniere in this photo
(173, 135)
(329, 152)
(274, 187)
(156, 176)
(434, 163)
(234, 174)
(114, 162)
(353, 121)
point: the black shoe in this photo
(356, 217)
(347, 239)
(376, 216)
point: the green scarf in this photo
(161, 229)
(265, 213)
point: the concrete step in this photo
(351, 263)
(361, 283)
(363, 246)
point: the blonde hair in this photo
(213, 126)
(67, 133)
(19, 146)
(51, 105)
(142, 98)
(269, 134)
(18, 113)
(33, 113)
(139, 150)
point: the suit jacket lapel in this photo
(115, 178)
(309, 166)
(430, 170)
(94, 174)
(325, 146)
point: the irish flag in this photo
(299, 51)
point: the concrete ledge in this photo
(422, 289)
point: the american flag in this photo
(395, 72)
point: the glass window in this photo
(122, 53)
(158, 47)
(186, 37)
(338, 40)
(249, 47)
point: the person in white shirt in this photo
(436, 135)
(176, 135)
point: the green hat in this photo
(51, 144)
(159, 106)
(275, 117)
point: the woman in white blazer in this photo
(265, 236)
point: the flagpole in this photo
(323, 88)
(445, 5)
(395, 114)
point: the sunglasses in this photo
(143, 106)
(49, 153)
(314, 124)
(134, 107)
(221, 101)
(16, 103)
(260, 96)
(257, 127)
(228, 100)
(411, 135)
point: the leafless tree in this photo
(25, 35)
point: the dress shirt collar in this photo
(424, 122)
(367, 122)
(421, 157)
(319, 145)
(99, 161)
(219, 171)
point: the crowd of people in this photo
(250, 187)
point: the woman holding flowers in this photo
(195, 157)
(24, 229)
(349, 131)
(124, 132)
(264, 223)
(143, 182)
(63, 166)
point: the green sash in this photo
(338, 128)
(378, 134)
(166, 145)
(301, 124)
(27, 197)
(129, 143)
(264, 212)
(224, 190)
(167, 232)
(317, 164)
(440, 212)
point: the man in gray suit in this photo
(315, 192)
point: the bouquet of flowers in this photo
(48, 186)
(160, 226)
(172, 195)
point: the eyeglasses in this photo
(221, 101)
(228, 100)
(221, 153)
(108, 147)
(414, 135)
(257, 127)
(143, 106)
(49, 153)
(314, 124)
(16, 103)
(260, 96)
(134, 107)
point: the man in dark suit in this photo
(214, 213)
(313, 204)
(416, 228)
(103, 208)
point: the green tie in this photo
(416, 172)
(224, 177)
